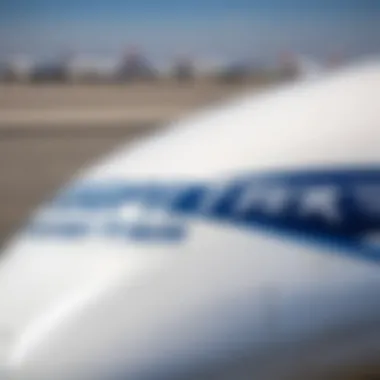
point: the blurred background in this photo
(80, 77)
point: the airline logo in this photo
(338, 208)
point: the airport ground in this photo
(48, 132)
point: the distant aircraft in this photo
(240, 243)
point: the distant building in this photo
(49, 73)
(235, 72)
(136, 67)
(296, 66)
(91, 69)
(205, 67)
(184, 70)
(55, 70)
(18, 69)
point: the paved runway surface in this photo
(35, 162)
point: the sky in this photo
(244, 29)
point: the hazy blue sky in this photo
(250, 28)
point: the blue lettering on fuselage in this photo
(339, 207)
